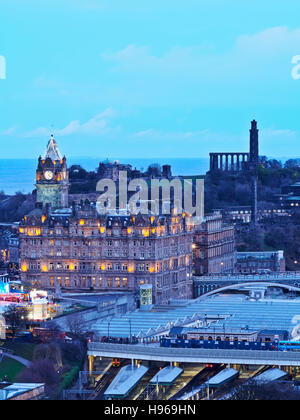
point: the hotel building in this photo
(78, 249)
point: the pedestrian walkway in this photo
(19, 359)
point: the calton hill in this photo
(222, 190)
(225, 189)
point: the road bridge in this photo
(187, 355)
(289, 280)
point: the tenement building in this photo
(77, 248)
(214, 246)
(260, 262)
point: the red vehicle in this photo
(12, 297)
(45, 335)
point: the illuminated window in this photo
(24, 268)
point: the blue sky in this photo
(128, 79)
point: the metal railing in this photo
(210, 355)
(289, 275)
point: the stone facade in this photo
(238, 161)
(9, 248)
(78, 249)
(214, 247)
(52, 178)
(260, 262)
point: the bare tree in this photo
(42, 371)
(51, 351)
(266, 391)
(15, 317)
(76, 326)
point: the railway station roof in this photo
(166, 376)
(229, 312)
(270, 375)
(16, 389)
(220, 378)
(125, 380)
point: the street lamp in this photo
(130, 338)
(108, 324)
(222, 266)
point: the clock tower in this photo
(52, 178)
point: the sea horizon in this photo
(18, 175)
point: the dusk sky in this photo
(160, 78)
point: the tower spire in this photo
(254, 143)
(52, 151)
(254, 161)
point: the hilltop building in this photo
(241, 161)
(290, 197)
(238, 161)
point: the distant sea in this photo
(19, 174)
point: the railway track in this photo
(140, 391)
(198, 380)
(105, 381)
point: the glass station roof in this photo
(234, 312)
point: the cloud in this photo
(45, 82)
(98, 125)
(8, 132)
(189, 143)
(201, 143)
(170, 135)
(279, 142)
(272, 133)
(258, 48)
(255, 68)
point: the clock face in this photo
(48, 175)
